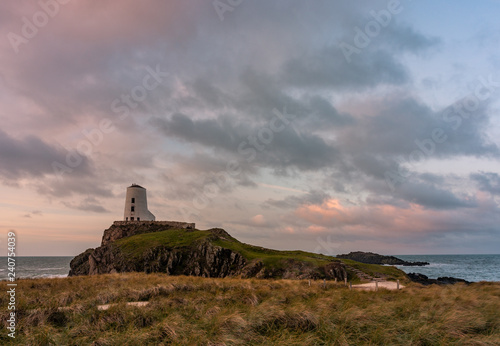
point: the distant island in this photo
(373, 258)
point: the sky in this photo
(325, 126)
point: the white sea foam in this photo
(50, 276)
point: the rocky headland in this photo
(179, 249)
(373, 258)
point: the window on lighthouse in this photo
(133, 200)
(132, 208)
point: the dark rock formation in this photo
(202, 257)
(80, 264)
(122, 229)
(424, 280)
(373, 258)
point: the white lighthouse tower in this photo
(136, 205)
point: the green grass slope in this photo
(136, 245)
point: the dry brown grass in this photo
(199, 311)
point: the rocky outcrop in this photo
(373, 258)
(80, 265)
(204, 259)
(424, 280)
(122, 229)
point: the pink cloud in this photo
(381, 219)
(258, 220)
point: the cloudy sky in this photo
(324, 126)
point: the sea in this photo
(36, 267)
(469, 267)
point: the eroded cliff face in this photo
(80, 264)
(201, 258)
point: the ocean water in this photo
(468, 267)
(37, 267)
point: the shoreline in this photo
(448, 266)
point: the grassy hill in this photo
(184, 310)
(276, 261)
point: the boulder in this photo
(424, 280)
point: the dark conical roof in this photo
(135, 185)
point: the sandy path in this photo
(390, 285)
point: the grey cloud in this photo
(258, 95)
(262, 91)
(329, 69)
(377, 199)
(432, 178)
(372, 164)
(432, 197)
(32, 157)
(383, 142)
(395, 130)
(430, 191)
(487, 181)
(87, 204)
(211, 95)
(72, 184)
(218, 133)
(192, 174)
(406, 39)
(289, 148)
(291, 202)
(326, 115)
(373, 65)
(302, 150)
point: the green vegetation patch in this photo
(136, 245)
(271, 257)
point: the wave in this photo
(37, 276)
(47, 276)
